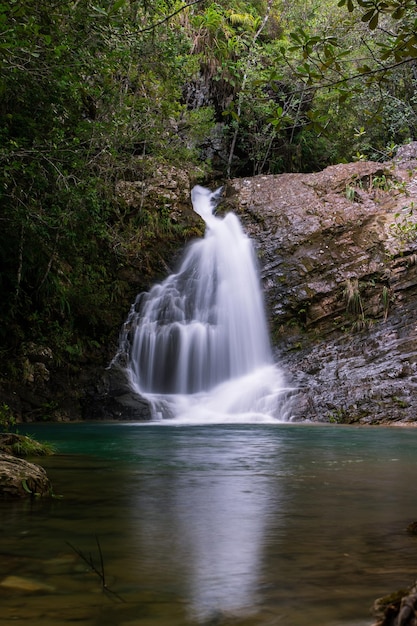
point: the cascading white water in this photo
(198, 345)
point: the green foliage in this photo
(405, 226)
(402, 44)
(354, 305)
(25, 446)
(356, 67)
(81, 95)
(7, 419)
(338, 416)
(353, 297)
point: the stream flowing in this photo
(245, 524)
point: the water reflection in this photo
(264, 525)
(233, 512)
(224, 524)
(219, 521)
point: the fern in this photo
(245, 20)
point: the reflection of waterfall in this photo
(202, 516)
(225, 547)
(198, 342)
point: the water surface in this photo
(251, 525)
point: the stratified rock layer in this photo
(338, 264)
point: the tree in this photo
(356, 70)
(400, 46)
(83, 92)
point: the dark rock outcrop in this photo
(110, 397)
(338, 259)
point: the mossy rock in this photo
(23, 446)
(398, 608)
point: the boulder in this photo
(21, 479)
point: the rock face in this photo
(110, 397)
(338, 259)
(338, 263)
(20, 479)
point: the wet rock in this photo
(159, 186)
(21, 479)
(407, 153)
(340, 282)
(412, 528)
(38, 354)
(111, 398)
(36, 363)
(397, 609)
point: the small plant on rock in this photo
(7, 419)
(405, 226)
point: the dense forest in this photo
(97, 91)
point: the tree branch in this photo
(88, 560)
(168, 17)
(347, 79)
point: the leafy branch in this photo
(362, 73)
(321, 55)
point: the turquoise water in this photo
(254, 525)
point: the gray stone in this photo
(340, 286)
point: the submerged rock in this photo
(412, 528)
(20, 583)
(338, 256)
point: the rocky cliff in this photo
(338, 258)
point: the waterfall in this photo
(197, 344)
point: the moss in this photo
(23, 446)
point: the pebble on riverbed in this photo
(25, 584)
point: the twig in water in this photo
(99, 572)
